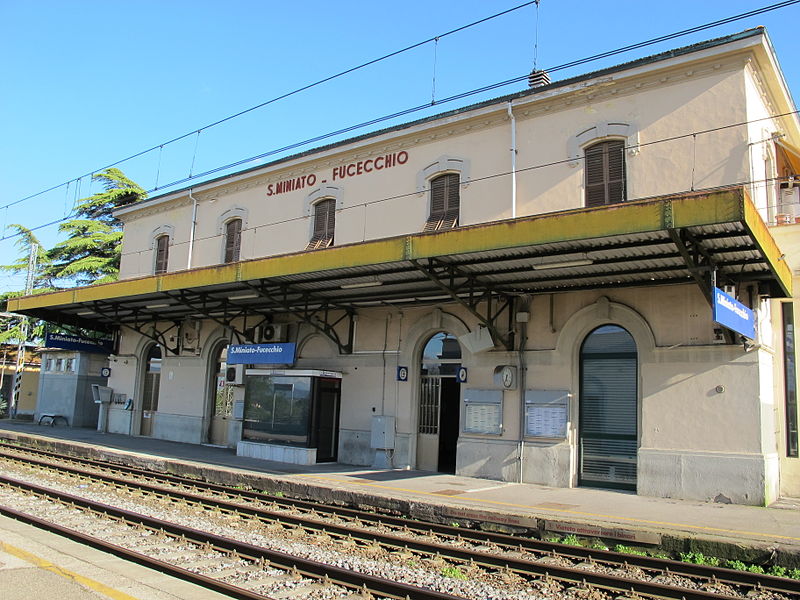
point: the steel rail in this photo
(708, 573)
(132, 556)
(314, 569)
(562, 574)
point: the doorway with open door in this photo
(439, 404)
(220, 401)
(151, 383)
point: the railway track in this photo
(563, 570)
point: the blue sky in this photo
(87, 83)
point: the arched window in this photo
(605, 173)
(233, 240)
(324, 224)
(445, 202)
(162, 254)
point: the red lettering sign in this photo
(352, 169)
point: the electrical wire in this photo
(290, 93)
(403, 112)
(692, 134)
(567, 65)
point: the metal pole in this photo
(3, 372)
(23, 334)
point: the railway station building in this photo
(585, 283)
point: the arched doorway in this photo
(150, 388)
(608, 412)
(220, 398)
(439, 402)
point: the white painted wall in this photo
(388, 202)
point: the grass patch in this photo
(698, 558)
(453, 573)
(629, 550)
(598, 545)
(553, 539)
(571, 540)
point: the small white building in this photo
(521, 289)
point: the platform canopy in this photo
(699, 237)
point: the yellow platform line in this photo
(562, 511)
(61, 572)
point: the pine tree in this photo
(11, 326)
(91, 252)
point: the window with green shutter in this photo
(605, 173)
(162, 254)
(445, 202)
(233, 240)
(324, 224)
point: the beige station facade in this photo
(456, 306)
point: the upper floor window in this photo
(233, 240)
(324, 224)
(605, 173)
(162, 254)
(444, 202)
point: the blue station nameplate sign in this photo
(73, 342)
(730, 313)
(261, 354)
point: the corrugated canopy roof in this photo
(669, 240)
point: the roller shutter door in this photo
(608, 421)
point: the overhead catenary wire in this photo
(396, 114)
(692, 134)
(577, 62)
(288, 94)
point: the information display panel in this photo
(546, 413)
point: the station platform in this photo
(748, 533)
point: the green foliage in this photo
(777, 571)
(598, 545)
(453, 573)
(89, 254)
(735, 564)
(699, 558)
(91, 251)
(794, 573)
(23, 240)
(571, 540)
(118, 191)
(755, 569)
(629, 550)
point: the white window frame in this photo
(235, 212)
(442, 166)
(163, 230)
(599, 132)
(317, 195)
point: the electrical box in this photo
(234, 374)
(101, 394)
(272, 333)
(382, 433)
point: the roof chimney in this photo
(538, 78)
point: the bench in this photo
(53, 418)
